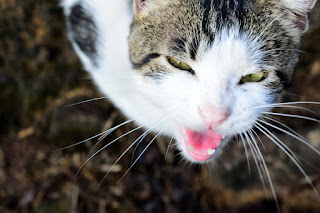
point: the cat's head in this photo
(212, 67)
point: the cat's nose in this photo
(213, 116)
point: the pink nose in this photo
(213, 116)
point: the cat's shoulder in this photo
(91, 23)
(98, 7)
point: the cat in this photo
(199, 71)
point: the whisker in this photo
(292, 116)
(246, 151)
(266, 171)
(141, 137)
(97, 152)
(257, 158)
(294, 136)
(284, 49)
(297, 134)
(293, 159)
(290, 129)
(264, 148)
(295, 102)
(138, 140)
(143, 151)
(81, 142)
(138, 143)
(168, 148)
(109, 131)
(281, 106)
(86, 101)
(256, 148)
(103, 136)
(283, 145)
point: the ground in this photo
(40, 76)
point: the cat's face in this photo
(209, 66)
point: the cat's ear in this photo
(301, 9)
(143, 7)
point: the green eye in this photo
(256, 77)
(180, 65)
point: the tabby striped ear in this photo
(300, 5)
(301, 8)
(140, 7)
(143, 7)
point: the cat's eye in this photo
(255, 77)
(179, 65)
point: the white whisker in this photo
(168, 148)
(265, 169)
(298, 135)
(257, 158)
(264, 148)
(295, 102)
(148, 131)
(290, 129)
(282, 106)
(107, 132)
(292, 116)
(294, 136)
(81, 142)
(138, 140)
(119, 158)
(282, 145)
(143, 151)
(97, 152)
(138, 143)
(284, 49)
(292, 157)
(247, 154)
(86, 101)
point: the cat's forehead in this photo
(226, 10)
(232, 55)
(183, 26)
(183, 18)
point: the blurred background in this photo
(40, 76)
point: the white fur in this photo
(113, 74)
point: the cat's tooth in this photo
(223, 137)
(190, 148)
(211, 151)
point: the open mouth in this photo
(201, 146)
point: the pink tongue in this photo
(202, 145)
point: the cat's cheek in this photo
(181, 97)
